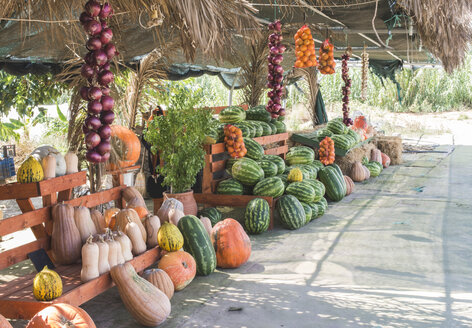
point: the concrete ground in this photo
(396, 253)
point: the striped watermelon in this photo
(354, 135)
(254, 149)
(212, 213)
(270, 168)
(334, 183)
(314, 211)
(342, 142)
(229, 164)
(267, 130)
(269, 187)
(317, 164)
(308, 211)
(300, 155)
(277, 160)
(257, 216)
(247, 190)
(258, 114)
(292, 214)
(273, 127)
(336, 126)
(245, 129)
(284, 178)
(318, 186)
(375, 168)
(258, 130)
(197, 242)
(247, 171)
(321, 207)
(232, 114)
(281, 128)
(323, 133)
(229, 187)
(304, 192)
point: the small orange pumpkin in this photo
(349, 185)
(232, 244)
(141, 210)
(61, 315)
(180, 266)
(385, 160)
(110, 217)
(125, 143)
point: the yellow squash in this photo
(47, 285)
(30, 171)
(169, 237)
(295, 175)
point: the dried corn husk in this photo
(140, 181)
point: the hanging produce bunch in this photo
(96, 70)
(234, 141)
(275, 76)
(326, 151)
(326, 58)
(365, 74)
(346, 88)
(305, 48)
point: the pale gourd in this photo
(84, 222)
(72, 163)
(41, 152)
(376, 156)
(357, 172)
(113, 247)
(152, 225)
(90, 258)
(122, 220)
(126, 245)
(175, 214)
(66, 243)
(132, 231)
(103, 250)
(163, 212)
(98, 220)
(144, 301)
(206, 223)
(129, 193)
(49, 167)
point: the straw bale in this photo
(355, 155)
(392, 147)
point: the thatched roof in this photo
(208, 30)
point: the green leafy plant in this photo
(179, 136)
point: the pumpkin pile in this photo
(234, 141)
(96, 70)
(305, 48)
(326, 58)
(326, 151)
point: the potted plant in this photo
(178, 137)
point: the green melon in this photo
(318, 186)
(212, 213)
(229, 187)
(292, 214)
(269, 187)
(300, 155)
(254, 149)
(308, 211)
(257, 216)
(304, 192)
(247, 171)
(232, 114)
(270, 168)
(277, 160)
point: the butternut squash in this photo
(103, 250)
(72, 162)
(152, 225)
(122, 221)
(130, 192)
(90, 258)
(132, 231)
(84, 222)
(98, 220)
(144, 301)
(126, 245)
(66, 243)
(113, 248)
(49, 166)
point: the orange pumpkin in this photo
(180, 266)
(349, 185)
(126, 144)
(110, 217)
(61, 315)
(141, 210)
(4, 322)
(232, 244)
(385, 160)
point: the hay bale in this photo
(355, 155)
(392, 147)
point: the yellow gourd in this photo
(170, 238)
(295, 175)
(30, 171)
(47, 285)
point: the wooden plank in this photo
(98, 198)
(217, 148)
(18, 254)
(18, 190)
(276, 151)
(26, 205)
(124, 170)
(23, 221)
(64, 182)
(218, 166)
(64, 195)
(206, 178)
(75, 292)
(272, 138)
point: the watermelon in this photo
(314, 211)
(245, 129)
(318, 186)
(321, 207)
(212, 136)
(284, 178)
(229, 164)
(273, 127)
(291, 212)
(229, 187)
(334, 183)
(277, 160)
(269, 187)
(258, 130)
(257, 216)
(304, 192)
(336, 126)
(317, 164)
(281, 128)
(258, 114)
(212, 213)
(357, 138)
(197, 242)
(323, 133)
(374, 168)
(308, 211)
(247, 190)
(342, 142)
(221, 133)
(254, 149)
(269, 167)
(247, 171)
(267, 130)
(300, 155)
(232, 114)
(281, 118)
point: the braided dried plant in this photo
(365, 74)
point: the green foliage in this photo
(179, 136)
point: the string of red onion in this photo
(275, 70)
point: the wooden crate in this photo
(16, 297)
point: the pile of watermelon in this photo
(255, 122)
(344, 138)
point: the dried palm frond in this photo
(310, 74)
(444, 28)
(253, 63)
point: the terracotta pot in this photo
(187, 199)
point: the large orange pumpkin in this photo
(127, 147)
(180, 266)
(61, 315)
(232, 244)
(110, 217)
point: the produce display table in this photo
(310, 140)
(16, 297)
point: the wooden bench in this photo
(16, 297)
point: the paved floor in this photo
(396, 253)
